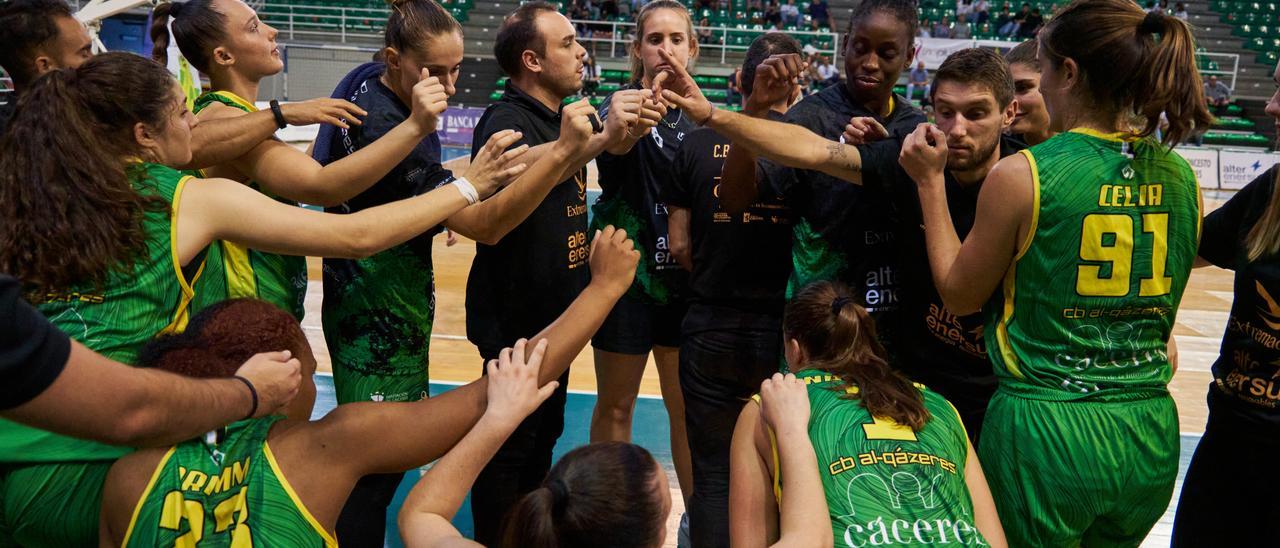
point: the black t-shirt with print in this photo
(843, 232)
(1246, 375)
(630, 187)
(740, 262)
(933, 346)
(525, 281)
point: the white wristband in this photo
(467, 190)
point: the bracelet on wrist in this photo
(281, 123)
(467, 190)
(253, 392)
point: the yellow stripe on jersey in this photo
(183, 314)
(151, 484)
(241, 101)
(1010, 277)
(241, 280)
(1115, 136)
(302, 508)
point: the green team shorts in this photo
(1066, 473)
(51, 504)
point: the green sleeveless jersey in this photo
(886, 484)
(230, 493)
(278, 279)
(1088, 304)
(132, 307)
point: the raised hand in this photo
(613, 260)
(275, 376)
(776, 80)
(862, 130)
(492, 168)
(335, 112)
(624, 112)
(924, 155)
(513, 384)
(575, 125)
(429, 101)
(680, 90)
(784, 403)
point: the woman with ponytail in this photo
(896, 452)
(114, 246)
(1080, 253)
(610, 493)
(225, 40)
(1242, 437)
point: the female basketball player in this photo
(898, 461)
(1032, 121)
(612, 493)
(648, 318)
(282, 480)
(1080, 252)
(225, 40)
(112, 245)
(1242, 437)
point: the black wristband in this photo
(281, 123)
(252, 392)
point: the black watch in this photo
(281, 123)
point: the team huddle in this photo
(870, 329)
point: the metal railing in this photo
(324, 22)
(1223, 60)
(615, 37)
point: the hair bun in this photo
(1153, 23)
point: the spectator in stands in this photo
(827, 73)
(755, 5)
(964, 7)
(1018, 21)
(923, 29)
(962, 30)
(735, 89)
(918, 78)
(820, 12)
(790, 13)
(981, 12)
(1180, 11)
(1005, 26)
(1218, 94)
(942, 29)
(704, 31)
(609, 9)
(772, 13)
(590, 75)
(1031, 25)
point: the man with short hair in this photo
(44, 35)
(523, 282)
(1218, 94)
(973, 99)
(918, 78)
(738, 274)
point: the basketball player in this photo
(57, 384)
(612, 493)
(129, 252)
(1226, 482)
(973, 97)
(732, 333)
(525, 279)
(378, 312)
(896, 461)
(632, 174)
(843, 232)
(1081, 250)
(286, 478)
(43, 35)
(225, 40)
(1031, 125)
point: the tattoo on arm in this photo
(837, 154)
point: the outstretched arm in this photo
(219, 140)
(513, 394)
(786, 144)
(352, 438)
(99, 399)
(286, 171)
(775, 80)
(217, 209)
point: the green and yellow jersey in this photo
(134, 305)
(1088, 305)
(885, 483)
(278, 279)
(223, 492)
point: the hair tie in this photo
(1153, 23)
(559, 495)
(838, 303)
